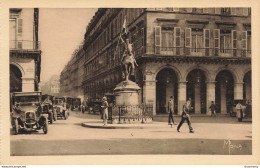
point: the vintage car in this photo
(47, 107)
(27, 113)
(68, 102)
(59, 106)
(76, 103)
(94, 105)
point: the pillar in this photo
(223, 98)
(181, 96)
(197, 99)
(238, 91)
(210, 95)
(27, 84)
(149, 92)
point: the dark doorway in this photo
(166, 86)
(15, 79)
(196, 90)
(224, 92)
(247, 88)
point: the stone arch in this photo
(246, 71)
(203, 69)
(176, 70)
(232, 71)
(20, 67)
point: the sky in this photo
(60, 33)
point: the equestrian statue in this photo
(128, 61)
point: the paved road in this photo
(68, 137)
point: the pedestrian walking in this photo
(185, 116)
(212, 107)
(171, 110)
(104, 110)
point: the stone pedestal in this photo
(127, 109)
(126, 93)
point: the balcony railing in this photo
(24, 45)
(182, 51)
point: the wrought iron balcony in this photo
(24, 45)
(182, 51)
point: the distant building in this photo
(71, 77)
(198, 53)
(51, 87)
(25, 53)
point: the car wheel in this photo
(16, 126)
(45, 126)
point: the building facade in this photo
(71, 78)
(198, 53)
(24, 47)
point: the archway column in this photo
(181, 95)
(27, 84)
(210, 95)
(238, 91)
(149, 90)
(149, 93)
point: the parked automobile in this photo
(59, 106)
(76, 103)
(47, 106)
(27, 113)
(94, 105)
(68, 102)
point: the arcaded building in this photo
(198, 53)
(24, 47)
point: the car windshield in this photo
(58, 101)
(27, 99)
(29, 104)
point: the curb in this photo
(120, 126)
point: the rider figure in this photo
(128, 57)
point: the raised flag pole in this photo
(120, 36)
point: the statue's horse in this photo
(127, 65)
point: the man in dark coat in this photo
(185, 116)
(212, 107)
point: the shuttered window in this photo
(244, 43)
(189, 9)
(245, 11)
(216, 41)
(234, 42)
(206, 41)
(177, 39)
(143, 39)
(157, 39)
(233, 11)
(217, 10)
(20, 27)
(187, 41)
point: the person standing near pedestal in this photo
(105, 110)
(185, 116)
(171, 110)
